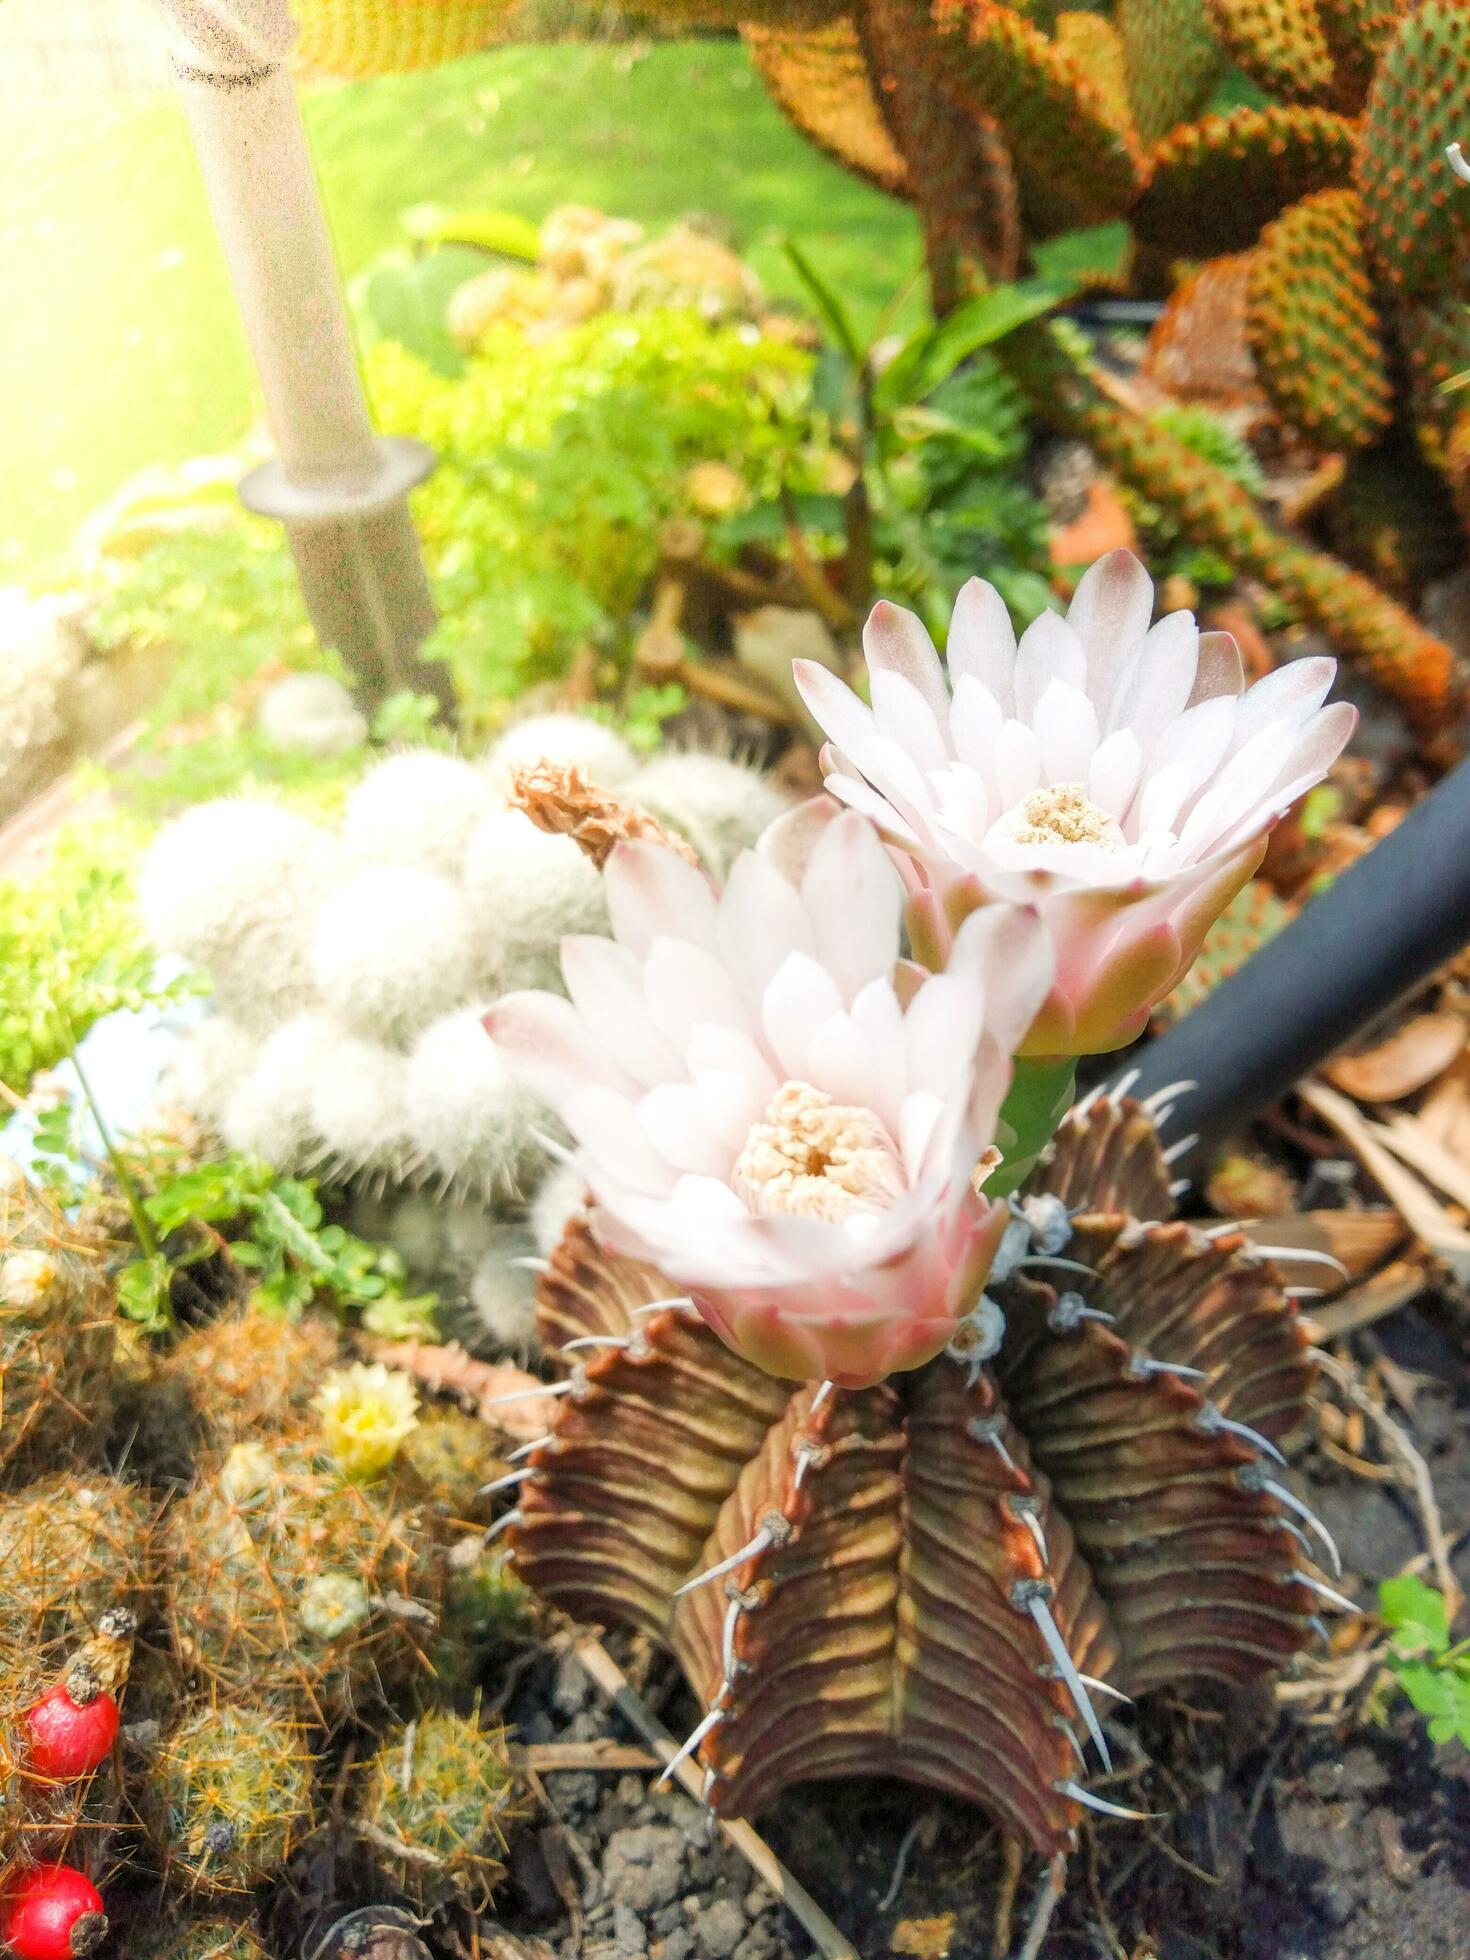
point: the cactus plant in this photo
(445, 1793)
(71, 1548)
(285, 1581)
(1252, 917)
(56, 1332)
(228, 1796)
(855, 1579)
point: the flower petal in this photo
(1220, 670)
(896, 642)
(605, 981)
(982, 641)
(1109, 613)
(675, 1122)
(800, 998)
(854, 899)
(542, 1041)
(1049, 651)
(651, 890)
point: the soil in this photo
(1279, 1837)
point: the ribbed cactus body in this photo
(1281, 44)
(911, 1579)
(1314, 326)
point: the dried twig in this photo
(1419, 1478)
(1417, 1205)
(605, 1671)
(548, 1757)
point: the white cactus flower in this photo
(1118, 776)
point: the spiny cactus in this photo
(285, 1581)
(942, 1576)
(196, 1939)
(1357, 617)
(1214, 183)
(56, 1331)
(355, 39)
(71, 1548)
(438, 1802)
(228, 1796)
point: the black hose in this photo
(1373, 936)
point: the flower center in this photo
(813, 1158)
(1063, 814)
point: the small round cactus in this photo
(526, 889)
(416, 809)
(445, 1462)
(56, 1332)
(576, 741)
(196, 1939)
(228, 1797)
(502, 1296)
(356, 1105)
(311, 714)
(469, 1122)
(246, 1374)
(233, 886)
(286, 1581)
(561, 1194)
(268, 1112)
(71, 1548)
(392, 949)
(445, 1793)
(720, 806)
(208, 1067)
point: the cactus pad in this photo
(1314, 328)
(1214, 183)
(354, 39)
(819, 79)
(913, 1579)
(1417, 229)
(1281, 44)
(1172, 59)
(1075, 163)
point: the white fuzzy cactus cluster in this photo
(351, 969)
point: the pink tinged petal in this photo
(709, 1198)
(727, 1050)
(905, 717)
(856, 794)
(964, 802)
(684, 987)
(788, 841)
(1314, 752)
(1112, 777)
(1199, 739)
(844, 719)
(854, 900)
(605, 981)
(941, 1031)
(879, 1021)
(919, 1122)
(1116, 1006)
(1220, 669)
(1109, 613)
(896, 643)
(1289, 693)
(616, 1143)
(1158, 681)
(730, 1105)
(1065, 723)
(652, 891)
(1049, 651)
(1163, 797)
(1017, 764)
(975, 719)
(1009, 952)
(843, 1064)
(982, 641)
(1238, 790)
(542, 1041)
(801, 997)
(761, 919)
(674, 1120)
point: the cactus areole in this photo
(951, 1574)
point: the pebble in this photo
(721, 1929)
(629, 1932)
(643, 1867)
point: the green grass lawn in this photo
(119, 343)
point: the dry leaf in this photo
(1411, 1058)
(926, 1939)
(1445, 1112)
(1359, 1240)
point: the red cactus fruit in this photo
(52, 1912)
(69, 1731)
(944, 1576)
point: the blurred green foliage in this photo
(1430, 1669)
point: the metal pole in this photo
(340, 490)
(1373, 936)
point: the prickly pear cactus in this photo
(947, 1576)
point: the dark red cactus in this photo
(941, 1577)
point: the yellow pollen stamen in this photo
(813, 1158)
(1063, 814)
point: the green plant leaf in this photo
(504, 233)
(933, 354)
(825, 299)
(1416, 1614)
